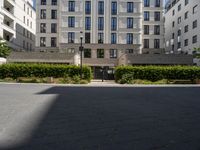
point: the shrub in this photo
(155, 73)
(43, 70)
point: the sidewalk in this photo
(105, 82)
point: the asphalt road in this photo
(42, 117)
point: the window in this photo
(179, 45)
(173, 23)
(179, 7)
(53, 28)
(114, 23)
(157, 3)
(100, 23)
(87, 37)
(113, 38)
(179, 20)
(24, 31)
(129, 23)
(53, 41)
(43, 2)
(146, 29)
(27, 10)
(146, 3)
(157, 30)
(100, 53)
(179, 32)
(27, 34)
(186, 42)
(129, 39)
(194, 39)
(157, 16)
(130, 7)
(71, 6)
(146, 15)
(129, 51)
(53, 14)
(27, 45)
(53, 2)
(100, 38)
(23, 43)
(146, 43)
(173, 47)
(27, 22)
(24, 7)
(70, 50)
(173, 12)
(31, 25)
(114, 8)
(43, 28)
(87, 7)
(186, 28)
(186, 2)
(101, 7)
(113, 53)
(194, 24)
(42, 42)
(173, 35)
(186, 15)
(156, 43)
(87, 23)
(71, 22)
(43, 14)
(87, 53)
(195, 9)
(71, 37)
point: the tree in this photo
(4, 48)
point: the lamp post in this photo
(81, 53)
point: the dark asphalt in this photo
(116, 118)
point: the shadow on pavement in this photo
(92, 118)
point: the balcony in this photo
(8, 24)
(9, 6)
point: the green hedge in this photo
(42, 70)
(155, 73)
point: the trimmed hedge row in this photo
(42, 70)
(155, 73)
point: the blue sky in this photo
(34, 2)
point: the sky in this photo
(34, 3)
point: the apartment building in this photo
(110, 28)
(182, 29)
(153, 26)
(17, 24)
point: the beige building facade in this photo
(17, 24)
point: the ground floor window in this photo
(87, 53)
(100, 53)
(129, 51)
(42, 41)
(113, 53)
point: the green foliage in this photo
(4, 49)
(43, 70)
(155, 73)
(197, 52)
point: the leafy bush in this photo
(155, 73)
(42, 70)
